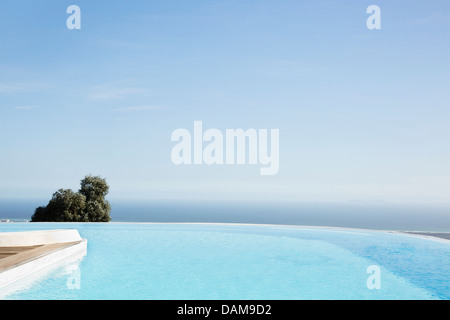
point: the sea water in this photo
(369, 215)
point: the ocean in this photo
(383, 216)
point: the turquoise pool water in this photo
(195, 261)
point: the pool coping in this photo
(38, 250)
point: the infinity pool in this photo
(218, 261)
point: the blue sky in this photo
(363, 114)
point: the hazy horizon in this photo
(382, 216)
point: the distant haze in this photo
(353, 215)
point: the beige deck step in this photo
(23, 255)
(11, 257)
(8, 251)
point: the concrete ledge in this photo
(70, 268)
(46, 248)
(33, 238)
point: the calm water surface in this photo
(179, 261)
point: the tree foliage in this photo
(86, 205)
(94, 189)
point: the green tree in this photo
(65, 206)
(95, 190)
(40, 215)
(87, 205)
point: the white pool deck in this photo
(25, 253)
